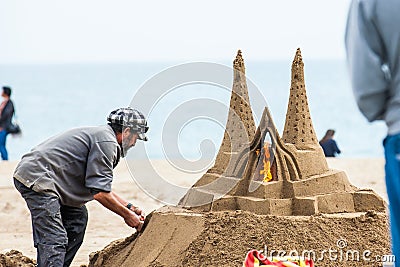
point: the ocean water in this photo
(52, 98)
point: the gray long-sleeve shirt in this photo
(373, 52)
(72, 164)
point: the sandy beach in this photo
(104, 226)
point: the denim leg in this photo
(392, 169)
(3, 150)
(75, 221)
(49, 234)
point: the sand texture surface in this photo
(224, 238)
(104, 226)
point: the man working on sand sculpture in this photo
(57, 178)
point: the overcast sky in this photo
(56, 31)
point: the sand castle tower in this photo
(299, 129)
(240, 126)
(299, 134)
(239, 131)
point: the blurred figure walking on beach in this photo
(57, 177)
(6, 115)
(373, 53)
(329, 145)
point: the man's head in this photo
(6, 91)
(129, 125)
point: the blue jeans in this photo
(392, 169)
(3, 150)
(58, 230)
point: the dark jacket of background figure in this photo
(330, 148)
(7, 115)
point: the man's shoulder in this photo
(103, 133)
(86, 134)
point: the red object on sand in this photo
(255, 258)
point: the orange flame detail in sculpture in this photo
(267, 164)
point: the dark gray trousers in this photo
(58, 230)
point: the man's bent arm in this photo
(137, 210)
(112, 202)
(120, 199)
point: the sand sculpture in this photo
(248, 199)
(301, 182)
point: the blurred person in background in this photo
(6, 115)
(373, 54)
(329, 145)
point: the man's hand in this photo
(134, 221)
(136, 210)
(139, 212)
(114, 203)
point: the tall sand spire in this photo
(299, 129)
(240, 127)
(238, 65)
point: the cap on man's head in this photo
(132, 118)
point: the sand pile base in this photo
(15, 258)
(176, 237)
